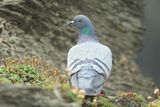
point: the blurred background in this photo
(149, 59)
(129, 27)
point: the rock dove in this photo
(89, 62)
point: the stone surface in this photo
(22, 96)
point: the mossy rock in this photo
(99, 101)
(105, 102)
(131, 100)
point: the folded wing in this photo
(94, 54)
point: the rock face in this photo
(38, 27)
(21, 96)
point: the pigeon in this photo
(89, 62)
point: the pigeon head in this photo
(85, 27)
(81, 21)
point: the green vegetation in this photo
(105, 102)
(19, 74)
(131, 99)
(30, 71)
(33, 71)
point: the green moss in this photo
(31, 71)
(99, 101)
(71, 97)
(140, 99)
(18, 73)
(105, 102)
(23, 74)
(66, 91)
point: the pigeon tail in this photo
(88, 79)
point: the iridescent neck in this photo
(87, 31)
(87, 34)
(83, 39)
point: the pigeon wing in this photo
(99, 56)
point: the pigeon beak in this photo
(71, 23)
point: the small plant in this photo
(30, 71)
(19, 73)
(72, 94)
(104, 102)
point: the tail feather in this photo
(89, 80)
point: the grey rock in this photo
(22, 96)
